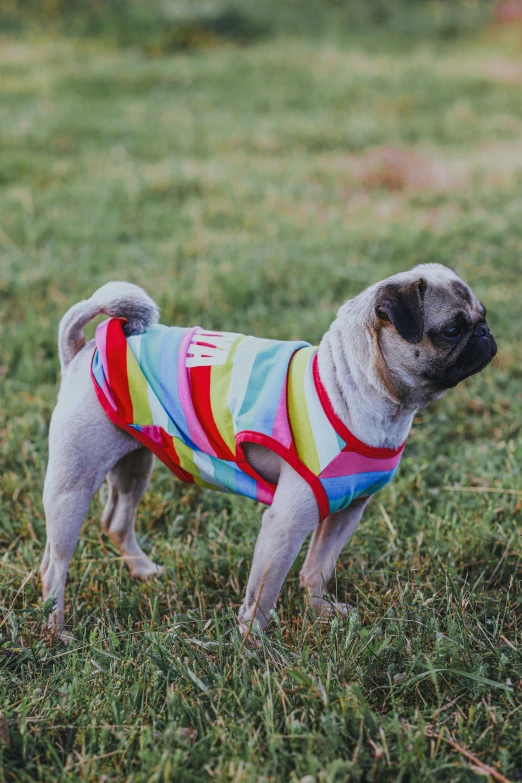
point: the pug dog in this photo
(310, 432)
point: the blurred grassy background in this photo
(183, 24)
(253, 165)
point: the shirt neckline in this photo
(341, 429)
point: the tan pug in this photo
(391, 350)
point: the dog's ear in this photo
(403, 305)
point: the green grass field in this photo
(252, 176)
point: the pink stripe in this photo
(264, 494)
(107, 392)
(197, 433)
(281, 430)
(101, 344)
(153, 432)
(350, 462)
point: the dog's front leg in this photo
(326, 545)
(292, 516)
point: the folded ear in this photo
(403, 305)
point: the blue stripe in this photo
(341, 490)
(224, 473)
(349, 485)
(167, 379)
(245, 485)
(265, 385)
(338, 505)
(97, 369)
(234, 478)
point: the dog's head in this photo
(431, 332)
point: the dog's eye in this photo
(452, 331)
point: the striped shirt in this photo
(195, 397)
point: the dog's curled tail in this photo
(119, 300)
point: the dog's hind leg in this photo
(326, 545)
(83, 447)
(66, 505)
(127, 483)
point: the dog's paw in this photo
(66, 637)
(57, 633)
(328, 609)
(252, 634)
(144, 568)
(248, 626)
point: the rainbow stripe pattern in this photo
(195, 397)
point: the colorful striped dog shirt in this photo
(195, 398)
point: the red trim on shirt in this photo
(143, 439)
(342, 429)
(293, 460)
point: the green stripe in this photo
(298, 412)
(138, 388)
(220, 377)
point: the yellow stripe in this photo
(219, 385)
(186, 461)
(298, 412)
(138, 388)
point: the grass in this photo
(256, 185)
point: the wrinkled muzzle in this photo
(480, 350)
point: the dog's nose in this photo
(481, 330)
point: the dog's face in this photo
(431, 331)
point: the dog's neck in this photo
(349, 359)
